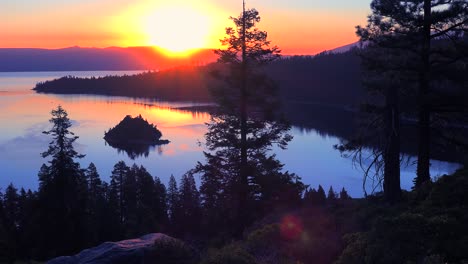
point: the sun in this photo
(177, 29)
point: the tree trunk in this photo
(244, 188)
(424, 128)
(392, 189)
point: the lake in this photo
(24, 114)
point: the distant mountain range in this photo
(346, 48)
(94, 59)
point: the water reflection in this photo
(24, 115)
(135, 151)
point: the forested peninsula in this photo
(183, 83)
(300, 79)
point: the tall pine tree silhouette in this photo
(246, 124)
(62, 190)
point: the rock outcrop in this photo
(121, 252)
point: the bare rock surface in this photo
(125, 251)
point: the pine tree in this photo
(189, 200)
(321, 197)
(120, 171)
(217, 197)
(310, 196)
(146, 195)
(129, 198)
(426, 40)
(44, 176)
(332, 196)
(246, 124)
(4, 250)
(315, 197)
(95, 204)
(94, 182)
(112, 230)
(173, 199)
(344, 195)
(62, 190)
(160, 204)
(28, 229)
(11, 219)
(11, 205)
(63, 139)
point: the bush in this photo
(170, 251)
(230, 254)
(431, 228)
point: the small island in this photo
(135, 136)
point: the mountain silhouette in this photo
(96, 59)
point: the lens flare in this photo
(291, 227)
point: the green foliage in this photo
(266, 245)
(230, 254)
(170, 251)
(448, 191)
(428, 228)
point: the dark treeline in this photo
(183, 83)
(300, 78)
(314, 78)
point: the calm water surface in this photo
(25, 114)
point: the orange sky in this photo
(296, 26)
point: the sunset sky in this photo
(296, 26)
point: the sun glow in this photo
(177, 29)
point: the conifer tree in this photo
(11, 219)
(321, 197)
(418, 47)
(96, 203)
(160, 204)
(344, 194)
(246, 124)
(150, 211)
(331, 197)
(3, 237)
(189, 202)
(129, 198)
(11, 205)
(62, 190)
(173, 199)
(120, 171)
